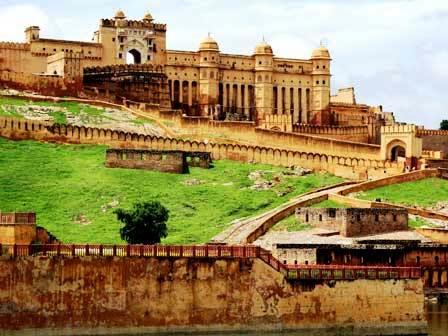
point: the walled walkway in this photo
(248, 230)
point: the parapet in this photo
(15, 46)
(399, 129)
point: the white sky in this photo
(394, 52)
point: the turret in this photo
(32, 33)
(264, 66)
(208, 76)
(119, 18)
(320, 86)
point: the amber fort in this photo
(360, 268)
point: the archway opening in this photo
(133, 57)
(398, 153)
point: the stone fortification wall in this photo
(341, 165)
(93, 295)
(248, 132)
(47, 85)
(349, 133)
(435, 140)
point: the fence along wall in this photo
(128, 295)
(350, 133)
(348, 167)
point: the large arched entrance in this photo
(133, 57)
(396, 151)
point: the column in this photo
(190, 93)
(246, 101)
(224, 97)
(238, 98)
(279, 100)
(295, 117)
(172, 90)
(287, 101)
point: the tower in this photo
(264, 66)
(32, 33)
(320, 86)
(208, 76)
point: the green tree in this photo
(444, 125)
(144, 224)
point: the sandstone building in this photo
(204, 82)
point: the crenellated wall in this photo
(341, 165)
(129, 295)
(350, 133)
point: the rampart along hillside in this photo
(74, 195)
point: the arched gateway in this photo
(400, 143)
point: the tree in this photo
(444, 125)
(144, 224)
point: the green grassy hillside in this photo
(424, 193)
(74, 195)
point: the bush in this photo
(444, 125)
(144, 224)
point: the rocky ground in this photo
(80, 115)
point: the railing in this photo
(291, 272)
(170, 251)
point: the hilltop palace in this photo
(128, 60)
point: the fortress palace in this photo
(128, 61)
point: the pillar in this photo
(279, 100)
(190, 93)
(295, 117)
(246, 101)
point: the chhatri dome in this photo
(120, 15)
(208, 44)
(148, 17)
(320, 53)
(263, 49)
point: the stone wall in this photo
(350, 133)
(163, 161)
(17, 228)
(352, 222)
(93, 295)
(341, 165)
(46, 85)
(435, 141)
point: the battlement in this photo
(15, 46)
(133, 24)
(428, 132)
(277, 122)
(121, 68)
(399, 129)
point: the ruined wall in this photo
(163, 161)
(348, 167)
(56, 296)
(353, 222)
(46, 85)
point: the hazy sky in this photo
(395, 53)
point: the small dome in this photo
(208, 44)
(120, 15)
(148, 17)
(263, 49)
(321, 53)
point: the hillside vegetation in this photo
(74, 195)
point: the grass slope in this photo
(424, 193)
(87, 113)
(70, 189)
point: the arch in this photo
(396, 150)
(134, 56)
